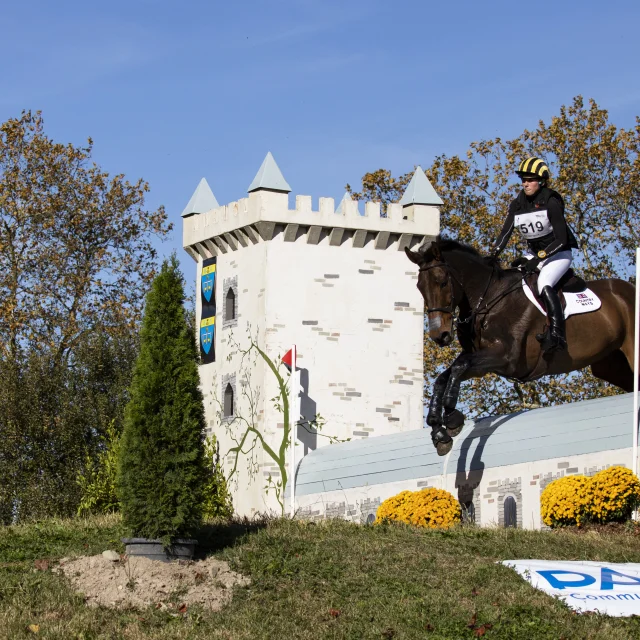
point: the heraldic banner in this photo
(208, 315)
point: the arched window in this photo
(230, 305)
(510, 512)
(228, 401)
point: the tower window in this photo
(230, 305)
(228, 401)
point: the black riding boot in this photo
(553, 339)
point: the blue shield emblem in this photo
(207, 334)
(208, 282)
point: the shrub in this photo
(97, 481)
(564, 501)
(431, 508)
(161, 472)
(217, 499)
(613, 494)
(391, 508)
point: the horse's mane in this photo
(444, 245)
(440, 245)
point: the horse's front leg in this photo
(465, 366)
(434, 417)
(441, 439)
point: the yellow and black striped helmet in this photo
(534, 167)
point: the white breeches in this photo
(553, 268)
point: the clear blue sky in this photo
(173, 91)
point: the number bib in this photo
(534, 224)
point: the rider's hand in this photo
(492, 258)
(531, 265)
(518, 262)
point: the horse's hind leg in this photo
(615, 369)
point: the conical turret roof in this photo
(269, 176)
(202, 200)
(420, 191)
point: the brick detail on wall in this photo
(368, 510)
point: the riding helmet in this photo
(533, 167)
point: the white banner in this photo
(607, 587)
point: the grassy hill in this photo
(330, 580)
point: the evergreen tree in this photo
(161, 471)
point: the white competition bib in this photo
(532, 225)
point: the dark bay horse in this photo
(496, 326)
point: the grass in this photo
(330, 580)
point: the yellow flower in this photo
(609, 496)
(563, 502)
(614, 493)
(426, 508)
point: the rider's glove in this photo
(531, 265)
(519, 262)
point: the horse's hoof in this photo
(442, 448)
(453, 421)
(441, 441)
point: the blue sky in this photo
(173, 91)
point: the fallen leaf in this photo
(430, 627)
(479, 632)
(474, 592)
(183, 608)
(41, 565)
(472, 622)
(388, 634)
(334, 613)
(34, 628)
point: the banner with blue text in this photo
(606, 587)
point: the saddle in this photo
(569, 283)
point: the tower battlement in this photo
(210, 229)
(265, 214)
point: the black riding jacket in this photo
(540, 220)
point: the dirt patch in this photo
(139, 582)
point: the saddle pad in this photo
(576, 303)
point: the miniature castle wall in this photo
(492, 459)
(340, 287)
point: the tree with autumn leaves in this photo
(594, 165)
(76, 259)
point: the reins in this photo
(476, 312)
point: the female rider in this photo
(538, 214)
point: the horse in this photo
(496, 326)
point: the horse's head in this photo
(436, 286)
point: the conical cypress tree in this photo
(161, 471)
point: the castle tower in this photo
(334, 282)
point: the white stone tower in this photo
(335, 282)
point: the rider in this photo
(538, 214)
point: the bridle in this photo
(451, 308)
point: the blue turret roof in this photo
(420, 191)
(269, 176)
(202, 200)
